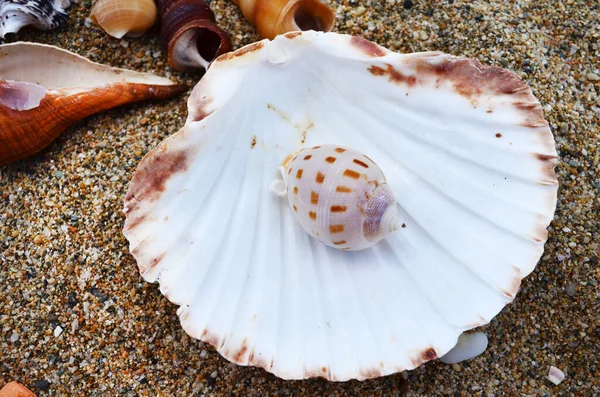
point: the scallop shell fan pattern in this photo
(463, 146)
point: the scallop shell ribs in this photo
(464, 148)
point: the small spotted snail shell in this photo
(339, 196)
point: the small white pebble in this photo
(555, 375)
(359, 11)
(573, 50)
(57, 331)
(467, 347)
(14, 337)
(203, 353)
(214, 374)
(124, 43)
(593, 77)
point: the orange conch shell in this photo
(273, 17)
(38, 101)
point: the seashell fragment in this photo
(555, 375)
(120, 18)
(15, 389)
(463, 146)
(191, 39)
(38, 101)
(469, 345)
(43, 14)
(274, 17)
(339, 196)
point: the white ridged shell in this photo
(464, 146)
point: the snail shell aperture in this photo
(339, 196)
(274, 17)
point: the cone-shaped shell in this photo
(191, 39)
(274, 17)
(121, 18)
(464, 146)
(43, 14)
(38, 101)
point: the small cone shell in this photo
(274, 17)
(31, 118)
(125, 17)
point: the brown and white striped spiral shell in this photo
(339, 196)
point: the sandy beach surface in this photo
(65, 263)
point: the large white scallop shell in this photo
(464, 146)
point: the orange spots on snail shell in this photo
(351, 174)
(332, 192)
(338, 208)
(320, 177)
(336, 228)
(314, 197)
(362, 164)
